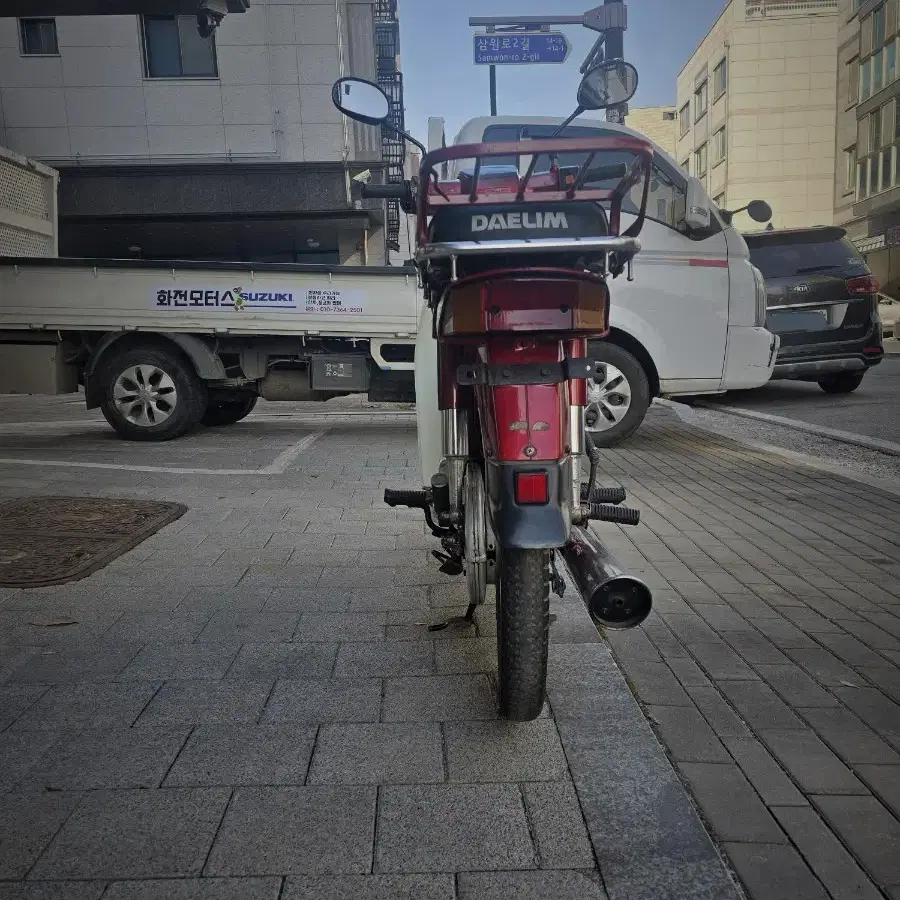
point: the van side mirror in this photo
(697, 214)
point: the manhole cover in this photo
(52, 540)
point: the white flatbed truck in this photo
(161, 347)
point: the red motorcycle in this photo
(516, 267)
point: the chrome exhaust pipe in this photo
(613, 599)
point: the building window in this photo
(876, 152)
(720, 79)
(850, 169)
(719, 200)
(668, 115)
(853, 82)
(38, 37)
(684, 119)
(878, 66)
(720, 145)
(701, 101)
(700, 161)
(686, 165)
(174, 49)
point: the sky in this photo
(440, 78)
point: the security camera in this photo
(210, 16)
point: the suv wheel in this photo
(843, 383)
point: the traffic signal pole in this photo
(615, 49)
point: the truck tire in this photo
(227, 412)
(523, 632)
(842, 383)
(618, 395)
(152, 393)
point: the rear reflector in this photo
(532, 487)
(865, 284)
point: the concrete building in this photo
(657, 122)
(171, 145)
(867, 173)
(756, 108)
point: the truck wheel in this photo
(843, 383)
(227, 412)
(618, 395)
(152, 394)
(523, 632)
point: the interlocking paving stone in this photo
(464, 656)
(885, 783)
(296, 831)
(384, 658)
(557, 825)
(370, 887)
(876, 710)
(824, 666)
(294, 660)
(196, 889)
(322, 626)
(186, 702)
(159, 662)
(59, 890)
(243, 755)
(686, 734)
(145, 628)
(16, 698)
(107, 758)
(774, 872)
(27, 825)
(655, 685)
(75, 664)
(763, 772)
(730, 804)
(324, 700)
(869, 830)
(382, 753)
(530, 886)
(88, 705)
(307, 600)
(849, 737)
(135, 834)
(237, 627)
(759, 706)
(825, 854)
(504, 751)
(19, 753)
(795, 687)
(439, 828)
(438, 698)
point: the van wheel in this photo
(844, 383)
(151, 393)
(618, 395)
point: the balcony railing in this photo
(762, 9)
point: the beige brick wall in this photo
(651, 121)
(778, 109)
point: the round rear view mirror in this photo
(610, 84)
(759, 211)
(361, 100)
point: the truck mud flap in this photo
(391, 387)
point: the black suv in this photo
(823, 301)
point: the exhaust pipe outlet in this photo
(613, 599)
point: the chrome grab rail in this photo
(453, 249)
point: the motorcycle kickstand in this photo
(468, 619)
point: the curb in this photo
(689, 417)
(845, 437)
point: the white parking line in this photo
(277, 467)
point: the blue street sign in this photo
(520, 49)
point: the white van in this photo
(692, 321)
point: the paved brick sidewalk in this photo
(250, 705)
(771, 666)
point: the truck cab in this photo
(693, 319)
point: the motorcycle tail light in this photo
(865, 284)
(532, 488)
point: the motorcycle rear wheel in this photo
(523, 632)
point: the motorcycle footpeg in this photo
(449, 566)
(412, 499)
(620, 515)
(614, 495)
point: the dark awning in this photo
(32, 8)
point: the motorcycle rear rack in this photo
(456, 249)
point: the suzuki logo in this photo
(501, 222)
(801, 289)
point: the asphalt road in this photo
(873, 410)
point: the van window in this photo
(668, 189)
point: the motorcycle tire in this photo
(523, 632)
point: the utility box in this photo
(36, 369)
(27, 207)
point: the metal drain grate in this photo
(53, 540)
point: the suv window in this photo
(668, 189)
(787, 255)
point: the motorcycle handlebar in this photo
(384, 191)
